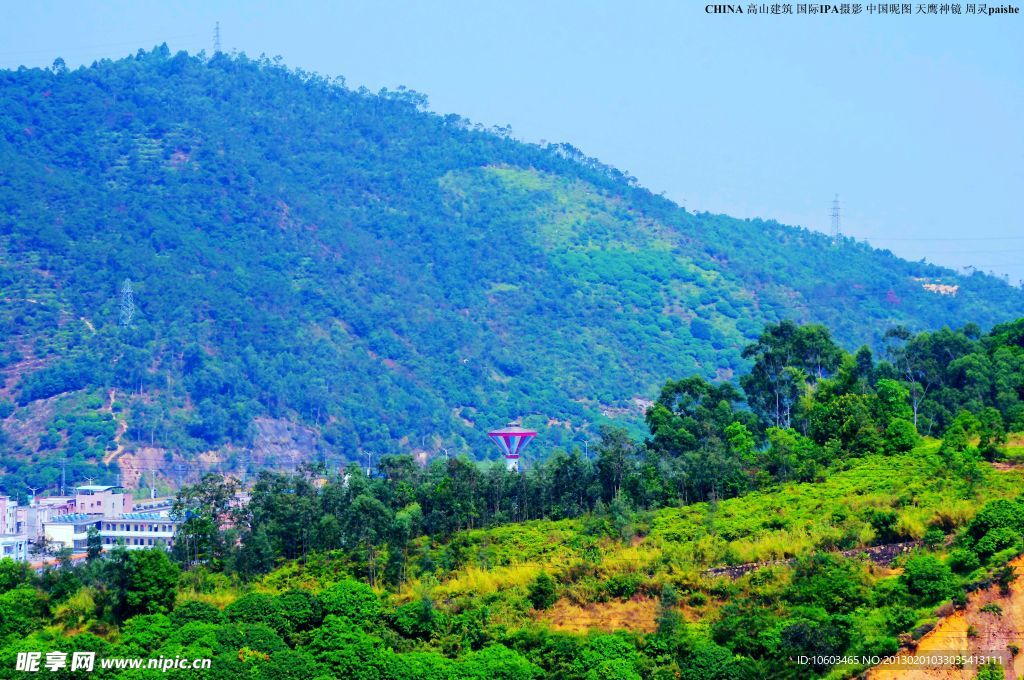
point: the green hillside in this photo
(344, 271)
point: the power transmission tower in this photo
(127, 304)
(216, 38)
(835, 220)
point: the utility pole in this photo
(63, 475)
(835, 220)
(369, 457)
(127, 304)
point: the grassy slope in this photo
(678, 544)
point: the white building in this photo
(136, 530)
(70, 531)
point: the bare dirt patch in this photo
(638, 614)
(991, 633)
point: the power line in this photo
(939, 238)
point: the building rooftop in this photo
(95, 488)
(76, 518)
(145, 515)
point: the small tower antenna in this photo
(216, 38)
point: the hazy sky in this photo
(916, 121)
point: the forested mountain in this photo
(221, 254)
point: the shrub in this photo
(934, 537)
(259, 637)
(498, 662)
(990, 671)
(706, 661)
(416, 619)
(833, 583)
(963, 561)
(900, 437)
(353, 600)
(542, 591)
(289, 664)
(257, 608)
(622, 586)
(301, 608)
(195, 610)
(145, 632)
(899, 619)
(998, 514)
(992, 608)
(884, 523)
(997, 540)
(928, 580)
(820, 636)
(1004, 576)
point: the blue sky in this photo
(916, 121)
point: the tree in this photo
(786, 357)
(207, 507)
(14, 574)
(669, 618)
(94, 543)
(21, 610)
(142, 582)
(614, 455)
(991, 433)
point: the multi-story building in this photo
(9, 516)
(95, 499)
(136, 530)
(13, 541)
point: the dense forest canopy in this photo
(375, 276)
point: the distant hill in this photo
(318, 272)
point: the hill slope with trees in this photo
(329, 270)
